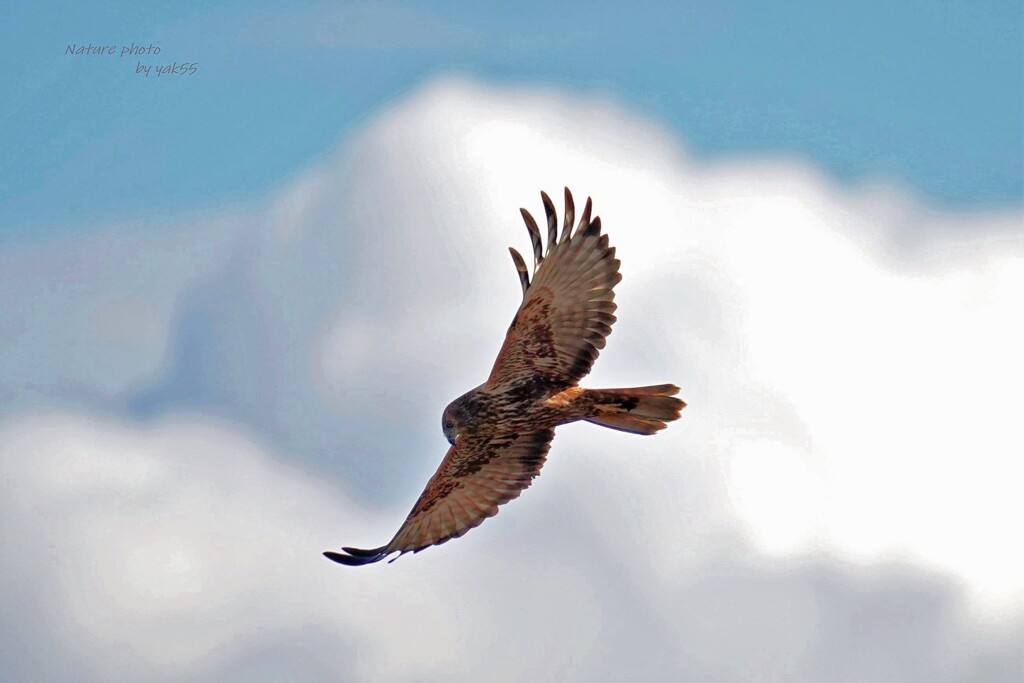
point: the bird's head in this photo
(449, 425)
(453, 419)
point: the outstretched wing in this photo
(479, 473)
(567, 311)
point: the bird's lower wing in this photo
(479, 473)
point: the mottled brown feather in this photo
(567, 311)
(479, 473)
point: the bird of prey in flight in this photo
(500, 432)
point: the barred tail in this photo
(641, 410)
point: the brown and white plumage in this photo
(500, 432)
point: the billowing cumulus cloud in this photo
(835, 504)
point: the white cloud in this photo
(166, 551)
(854, 388)
(89, 317)
(183, 551)
(847, 456)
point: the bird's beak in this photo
(451, 440)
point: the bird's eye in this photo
(449, 424)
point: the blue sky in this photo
(925, 94)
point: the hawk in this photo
(500, 432)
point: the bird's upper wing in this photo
(479, 473)
(567, 311)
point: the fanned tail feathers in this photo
(640, 410)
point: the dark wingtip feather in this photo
(531, 226)
(356, 557)
(363, 552)
(594, 228)
(549, 211)
(524, 275)
(585, 218)
(570, 215)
